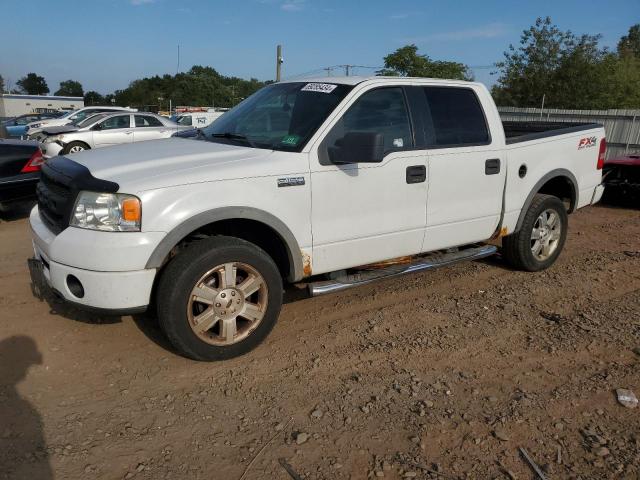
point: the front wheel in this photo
(539, 241)
(219, 298)
(75, 147)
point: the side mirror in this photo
(97, 127)
(358, 147)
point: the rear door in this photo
(148, 127)
(466, 167)
(114, 130)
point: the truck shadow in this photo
(23, 449)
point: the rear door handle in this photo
(416, 174)
(492, 166)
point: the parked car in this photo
(104, 130)
(197, 119)
(20, 163)
(329, 183)
(17, 127)
(74, 116)
(621, 177)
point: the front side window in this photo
(382, 110)
(456, 116)
(147, 121)
(282, 116)
(120, 121)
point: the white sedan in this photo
(104, 130)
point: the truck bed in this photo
(516, 132)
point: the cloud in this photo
(399, 16)
(292, 5)
(142, 2)
(492, 30)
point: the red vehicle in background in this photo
(621, 177)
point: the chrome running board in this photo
(426, 262)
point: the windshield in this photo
(89, 120)
(184, 120)
(282, 116)
(68, 114)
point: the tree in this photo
(558, 65)
(630, 44)
(200, 86)
(406, 62)
(33, 84)
(1, 84)
(70, 88)
(93, 98)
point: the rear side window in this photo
(147, 121)
(457, 118)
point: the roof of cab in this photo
(354, 80)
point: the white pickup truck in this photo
(331, 182)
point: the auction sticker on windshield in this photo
(319, 87)
(291, 140)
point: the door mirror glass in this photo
(358, 147)
(97, 126)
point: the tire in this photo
(75, 147)
(519, 249)
(196, 292)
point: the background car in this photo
(20, 162)
(621, 177)
(71, 117)
(17, 127)
(104, 130)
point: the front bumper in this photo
(50, 149)
(109, 266)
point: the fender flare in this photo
(558, 172)
(296, 269)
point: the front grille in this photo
(55, 199)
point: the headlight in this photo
(110, 212)
(50, 139)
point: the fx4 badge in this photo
(587, 142)
(290, 181)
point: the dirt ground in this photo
(441, 375)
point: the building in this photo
(13, 105)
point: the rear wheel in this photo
(219, 298)
(540, 240)
(75, 147)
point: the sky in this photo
(105, 44)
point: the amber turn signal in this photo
(131, 210)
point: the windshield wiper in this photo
(233, 136)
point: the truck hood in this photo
(170, 162)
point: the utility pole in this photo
(279, 61)
(328, 70)
(178, 64)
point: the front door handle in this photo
(416, 174)
(492, 166)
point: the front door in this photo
(114, 130)
(368, 212)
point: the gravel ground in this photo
(438, 375)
